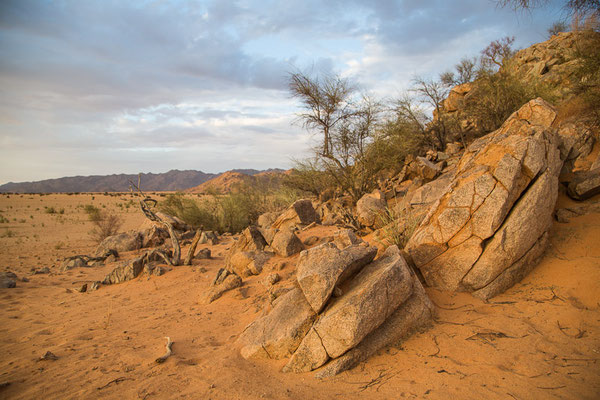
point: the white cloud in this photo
(107, 86)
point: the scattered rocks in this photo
(301, 212)
(73, 262)
(154, 236)
(203, 254)
(49, 356)
(40, 271)
(311, 240)
(272, 279)
(95, 286)
(585, 185)
(209, 237)
(82, 288)
(125, 241)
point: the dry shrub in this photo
(105, 224)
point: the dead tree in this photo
(146, 204)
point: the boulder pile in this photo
(345, 306)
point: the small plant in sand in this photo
(398, 226)
(105, 224)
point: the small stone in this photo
(95, 286)
(311, 240)
(8, 280)
(82, 288)
(203, 254)
(43, 270)
(272, 278)
(49, 356)
(24, 279)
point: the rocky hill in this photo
(230, 180)
(173, 180)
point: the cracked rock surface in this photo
(497, 209)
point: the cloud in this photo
(106, 85)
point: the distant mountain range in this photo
(168, 181)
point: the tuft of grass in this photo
(398, 226)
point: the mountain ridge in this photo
(172, 180)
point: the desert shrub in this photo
(93, 212)
(106, 224)
(49, 210)
(231, 212)
(496, 96)
(188, 211)
(587, 74)
(306, 176)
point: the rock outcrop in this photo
(374, 294)
(478, 236)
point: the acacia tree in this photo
(346, 121)
(326, 100)
(433, 93)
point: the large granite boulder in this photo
(323, 267)
(246, 250)
(299, 213)
(373, 295)
(285, 243)
(497, 210)
(278, 334)
(415, 314)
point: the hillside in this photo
(229, 180)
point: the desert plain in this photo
(538, 340)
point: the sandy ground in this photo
(539, 340)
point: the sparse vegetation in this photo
(105, 223)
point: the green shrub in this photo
(93, 212)
(50, 210)
(189, 211)
(496, 96)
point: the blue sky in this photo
(101, 87)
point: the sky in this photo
(96, 87)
